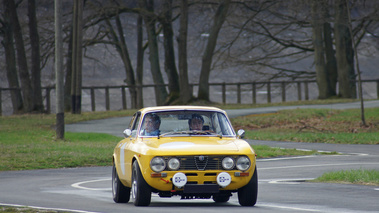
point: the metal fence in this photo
(106, 98)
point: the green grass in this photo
(313, 125)
(10, 209)
(28, 142)
(264, 151)
(358, 176)
(78, 149)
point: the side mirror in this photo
(241, 133)
(127, 133)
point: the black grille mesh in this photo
(200, 162)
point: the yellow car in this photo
(187, 151)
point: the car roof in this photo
(169, 108)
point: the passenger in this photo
(196, 122)
(151, 125)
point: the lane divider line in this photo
(78, 185)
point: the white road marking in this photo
(289, 207)
(289, 181)
(287, 158)
(78, 185)
(45, 208)
(317, 165)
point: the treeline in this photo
(262, 36)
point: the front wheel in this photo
(121, 193)
(141, 191)
(247, 195)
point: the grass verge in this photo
(9, 209)
(313, 125)
(358, 176)
(28, 142)
(264, 151)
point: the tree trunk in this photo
(76, 87)
(10, 60)
(59, 88)
(219, 19)
(331, 65)
(68, 77)
(123, 50)
(170, 66)
(344, 52)
(160, 91)
(185, 92)
(139, 69)
(35, 62)
(26, 87)
(321, 76)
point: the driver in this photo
(196, 122)
(152, 123)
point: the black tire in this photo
(121, 193)
(247, 195)
(223, 198)
(141, 191)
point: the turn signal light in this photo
(241, 174)
(163, 174)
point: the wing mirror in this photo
(241, 133)
(127, 133)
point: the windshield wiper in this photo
(174, 133)
(191, 132)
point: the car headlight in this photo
(157, 164)
(227, 163)
(173, 164)
(243, 163)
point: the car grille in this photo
(200, 162)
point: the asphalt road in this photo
(282, 183)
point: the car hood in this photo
(193, 145)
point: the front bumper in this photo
(199, 181)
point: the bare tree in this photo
(59, 88)
(139, 69)
(68, 74)
(219, 19)
(10, 60)
(26, 87)
(185, 92)
(121, 47)
(170, 65)
(322, 76)
(331, 64)
(76, 85)
(344, 51)
(35, 57)
(147, 13)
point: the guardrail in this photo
(301, 87)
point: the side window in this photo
(216, 123)
(134, 123)
(224, 125)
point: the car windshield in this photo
(186, 122)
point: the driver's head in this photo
(152, 122)
(196, 122)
